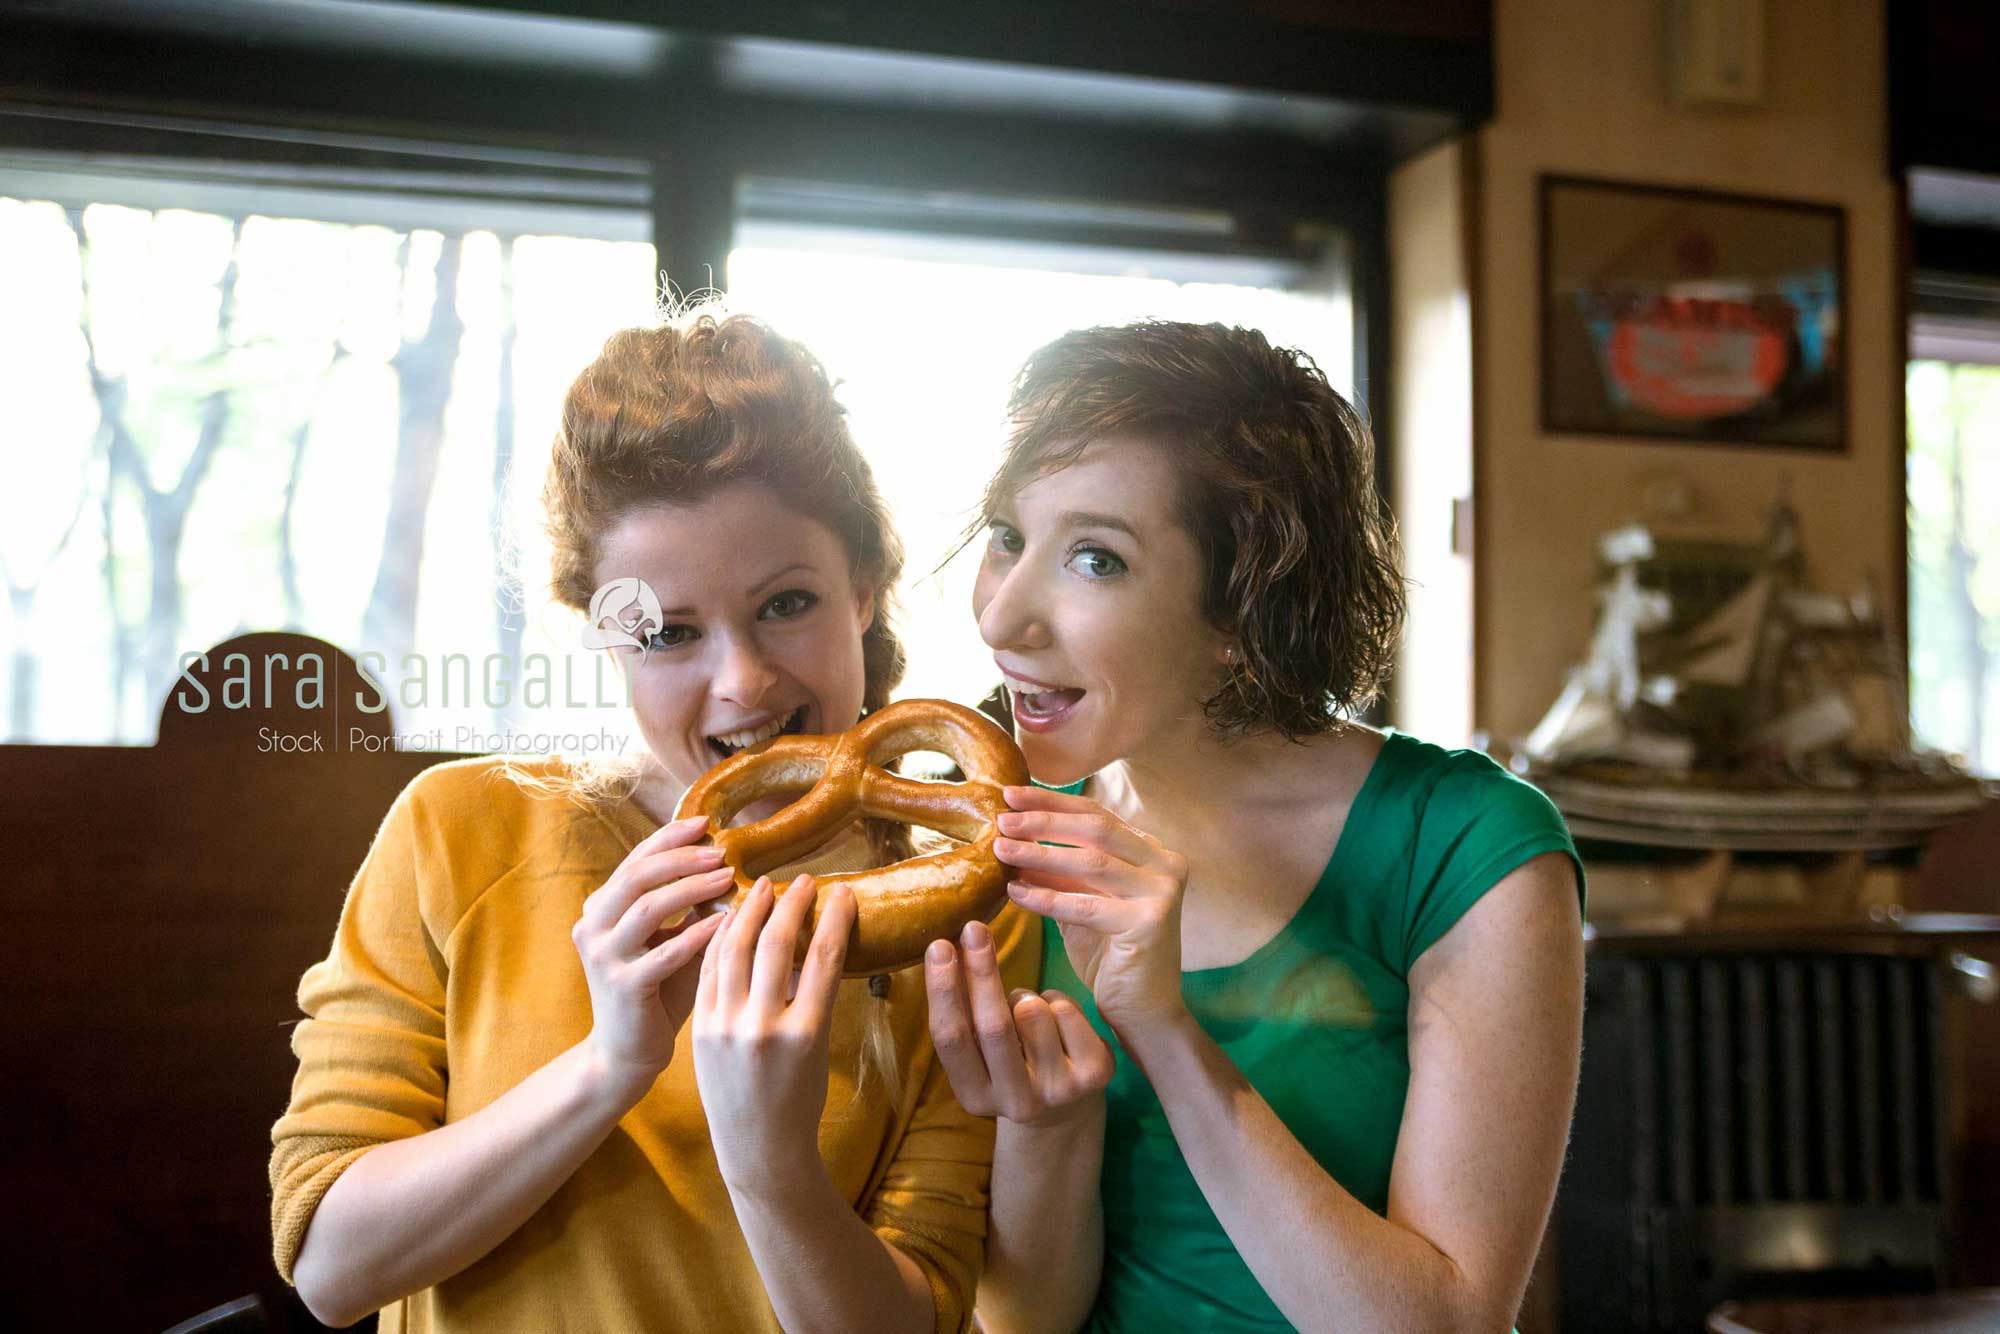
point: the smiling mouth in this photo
(731, 743)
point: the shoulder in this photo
(1418, 756)
(1470, 824)
(1452, 788)
(453, 782)
(486, 814)
(495, 790)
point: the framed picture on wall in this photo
(1692, 315)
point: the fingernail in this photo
(978, 937)
(708, 852)
(939, 953)
(691, 821)
(1010, 822)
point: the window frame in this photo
(268, 114)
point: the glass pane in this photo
(1953, 473)
(924, 347)
(223, 422)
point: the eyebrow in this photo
(757, 587)
(776, 575)
(1090, 519)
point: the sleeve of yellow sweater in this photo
(932, 1203)
(371, 1050)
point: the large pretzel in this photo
(902, 907)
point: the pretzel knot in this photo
(902, 907)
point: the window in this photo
(1953, 464)
(246, 397)
(247, 401)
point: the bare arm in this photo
(1038, 1066)
(823, 1268)
(1495, 1034)
(761, 1067)
(1045, 1236)
(413, 1212)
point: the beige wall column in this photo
(1582, 89)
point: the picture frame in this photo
(1694, 315)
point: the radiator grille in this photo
(1755, 1125)
(1779, 1079)
(1764, 1079)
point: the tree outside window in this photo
(229, 423)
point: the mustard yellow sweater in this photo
(452, 977)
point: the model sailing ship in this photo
(1724, 705)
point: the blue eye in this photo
(792, 602)
(672, 636)
(1097, 563)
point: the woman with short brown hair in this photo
(1309, 1042)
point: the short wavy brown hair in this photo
(1277, 488)
(671, 414)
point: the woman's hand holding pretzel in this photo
(760, 1040)
(1115, 895)
(1032, 1059)
(637, 948)
(1113, 891)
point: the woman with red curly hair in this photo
(1309, 1044)
(533, 1093)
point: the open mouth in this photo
(1035, 703)
(730, 743)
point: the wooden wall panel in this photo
(159, 905)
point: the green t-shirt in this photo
(1316, 1022)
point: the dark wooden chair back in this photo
(160, 905)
